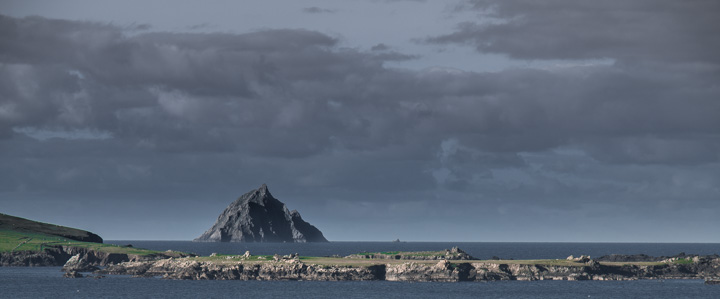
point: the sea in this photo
(47, 282)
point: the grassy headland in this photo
(18, 224)
(19, 234)
(14, 241)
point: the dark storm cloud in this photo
(666, 30)
(294, 93)
(212, 86)
(651, 103)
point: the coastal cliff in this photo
(59, 255)
(257, 216)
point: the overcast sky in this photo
(464, 120)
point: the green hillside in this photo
(13, 241)
(19, 234)
(12, 223)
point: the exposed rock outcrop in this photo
(443, 271)
(279, 270)
(49, 257)
(77, 264)
(259, 217)
(581, 259)
(73, 274)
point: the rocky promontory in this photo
(249, 267)
(257, 216)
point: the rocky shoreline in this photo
(443, 271)
(60, 255)
(397, 267)
(294, 268)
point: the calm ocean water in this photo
(48, 282)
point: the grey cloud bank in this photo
(164, 129)
(665, 30)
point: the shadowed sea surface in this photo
(47, 282)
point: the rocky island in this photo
(257, 216)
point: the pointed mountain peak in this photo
(264, 189)
(260, 196)
(257, 216)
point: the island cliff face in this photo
(259, 217)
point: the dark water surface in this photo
(47, 282)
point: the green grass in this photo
(11, 240)
(21, 241)
(338, 261)
(380, 253)
(683, 261)
(543, 262)
(408, 253)
(8, 222)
